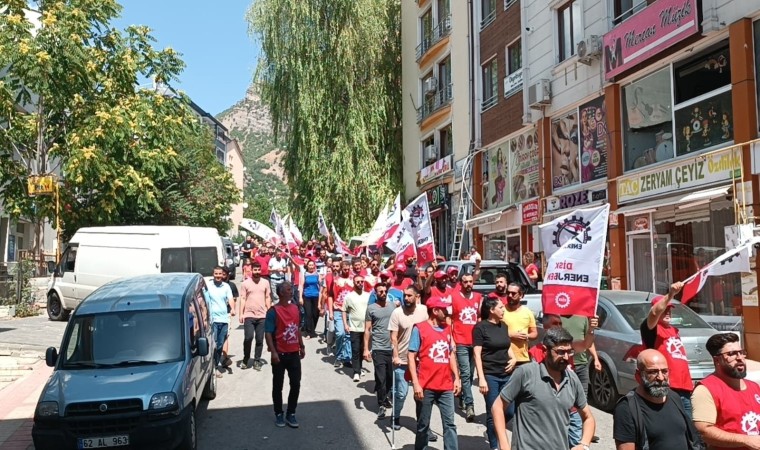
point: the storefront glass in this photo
(648, 114)
(503, 246)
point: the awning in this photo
(437, 212)
(683, 201)
(486, 218)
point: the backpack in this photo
(642, 442)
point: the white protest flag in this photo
(279, 227)
(574, 248)
(287, 234)
(322, 225)
(377, 229)
(259, 229)
(733, 261)
(401, 241)
(295, 231)
(422, 229)
(340, 246)
(392, 221)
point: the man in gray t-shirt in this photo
(544, 394)
(380, 352)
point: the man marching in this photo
(464, 317)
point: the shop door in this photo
(640, 255)
(663, 263)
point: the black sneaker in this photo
(291, 421)
(381, 412)
(470, 414)
(387, 403)
(257, 366)
(432, 437)
(279, 420)
(396, 424)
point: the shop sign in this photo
(513, 82)
(523, 165)
(640, 223)
(595, 140)
(40, 184)
(575, 199)
(530, 212)
(647, 33)
(437, 196)
(690, 173)
(438, 168)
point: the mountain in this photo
(249, 122)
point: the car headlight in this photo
(46, 410)
(164, 400)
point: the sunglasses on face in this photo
(564, 352)
(512, 293)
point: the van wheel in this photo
(209, 391)
(55, 308)
(189, 441)
(603, 389)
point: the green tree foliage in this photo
(70, 104)
(330, 72)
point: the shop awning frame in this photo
(486, 218)
(684, 201)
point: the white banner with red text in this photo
(422, 229)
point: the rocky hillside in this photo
(249, 122)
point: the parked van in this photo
(95, 256)
(133, 367)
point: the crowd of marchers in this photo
(428, 331)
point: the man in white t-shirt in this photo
(474, 255)
(278, 267)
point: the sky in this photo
(213, 39)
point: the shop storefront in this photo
(440, 216)
(510, 181)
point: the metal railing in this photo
(488, 20)
(433, 103)
(489, 102)
(440, 31)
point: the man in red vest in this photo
(435, 375)
(659, 334)
(401, 281)
(727, 406)
(465, 304)
(285, 343)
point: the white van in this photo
(95, 256)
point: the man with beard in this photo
(377, 345)
(653, 408)
(658, 333)
(501, 289)
(278, 269)
(437, 286)
(547, 391)
(401, 281)
(453, 274)
(465, 305)
(372, 277)
(247, 249)
(219, 298)
(521, 323)
(726, 406)
(355, 309)
(255, 301)
(342, 285)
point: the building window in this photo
(447, 141)
(429, 151)
(626, 8)
(514, 57)
(490, 84)
(569, 28)
(489, 12)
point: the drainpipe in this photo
(526, 116)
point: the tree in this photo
(70, 104)
(330, 72)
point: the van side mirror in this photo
(51, 267)
(202, 346)
(51, 356)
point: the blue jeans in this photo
(466, 362)
(495, 384)
(342, 341)
(575, 431)
(220, 334)
(686, 400)
(401, 389)
(445, 402)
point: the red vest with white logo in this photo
(464, 316)
(286, 330)
(738, 411)
(434, 371)
(443, 294)
(405, 283)
(668, 342)
(342, 286)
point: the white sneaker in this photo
(356, 378)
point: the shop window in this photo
(702, 74)
(447, 141)
(569, 29)
(626, 8)
(648, 116)
(429, 151)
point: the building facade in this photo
(236, 166)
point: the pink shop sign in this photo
(648, 32)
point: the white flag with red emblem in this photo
(377, 229)
(422, 229)
(392, 221)
(340, 246)
(733, 261)
(322, 225)
(294, 231)
(574, 246)
(401, 241)
(259, 229)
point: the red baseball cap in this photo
(436, 302)
(657, 298)
(386, 274)
(400, 267)
(439, 274)
(452, 269)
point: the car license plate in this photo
(102, 442)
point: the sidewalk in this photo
(17, 403)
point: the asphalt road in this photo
(333, 411)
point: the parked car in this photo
(133, 366)
(229, 256)
(485, 283)
(618, 343)
(96, 255)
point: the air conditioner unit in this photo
(430, 86)
(540, 94)
(589, 49)
(431, 152)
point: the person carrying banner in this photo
(658, 333)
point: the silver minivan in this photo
(133, 366)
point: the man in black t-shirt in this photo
(247, 248)
(665, 422)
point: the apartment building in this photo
(436, 107)
(236, 166)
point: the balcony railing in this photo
(434, 102)
(489, 102)
(440, 31)
(488, 20)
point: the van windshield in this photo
(127, 338)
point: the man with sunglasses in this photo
(726, 405)
(521, 323)
(658, 333)
(652, 408)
